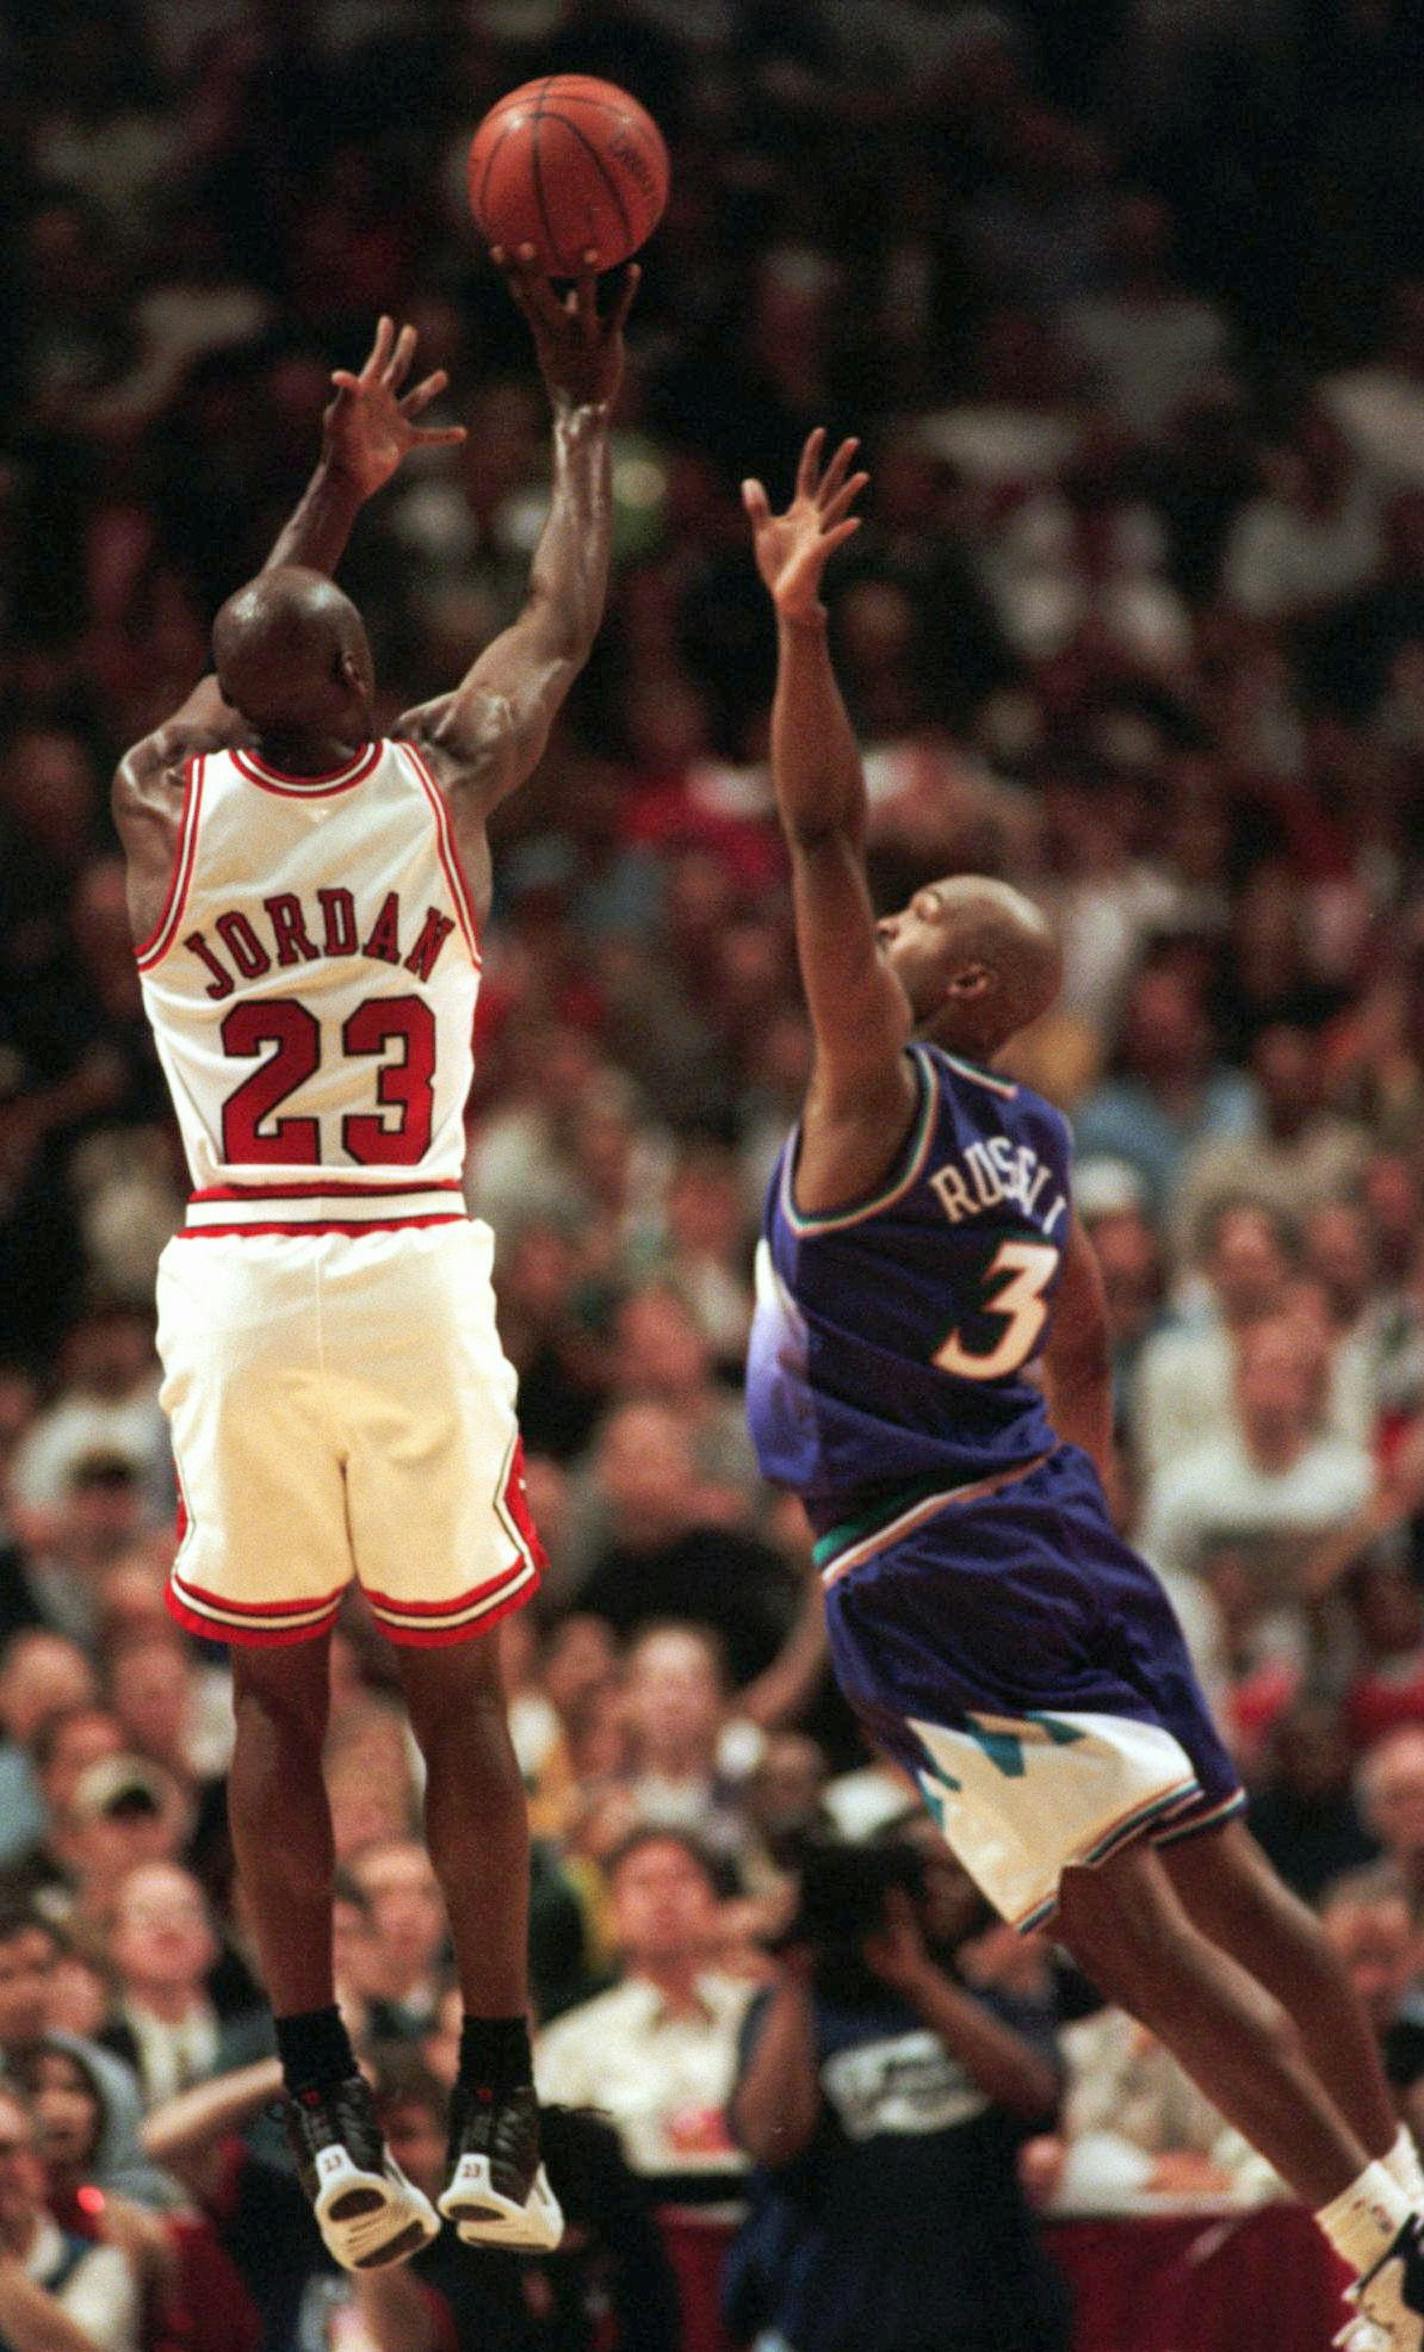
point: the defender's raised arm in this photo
(862, 1090)
(490, 734)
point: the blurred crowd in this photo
(1127, 304)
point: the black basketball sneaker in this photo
(498, 2193)
(368, 2213)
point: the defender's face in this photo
(916, 946)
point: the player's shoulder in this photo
(993, 1093)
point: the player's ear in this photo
(970, 981)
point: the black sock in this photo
(315, 2050)
(494, 2053)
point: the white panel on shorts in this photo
(1028, 1797)
(341, 1407)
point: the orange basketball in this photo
(569, 165)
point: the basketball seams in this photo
(504, 131)
(603, 186)
(603, 172)
(536, 170)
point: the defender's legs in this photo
(1126, 1927)
(1230, 1892)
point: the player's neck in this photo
(310, 755)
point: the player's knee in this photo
(1120, 1937)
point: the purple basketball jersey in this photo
(895, 1344)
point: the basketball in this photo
(570, 166)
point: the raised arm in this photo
(489, 734)
(367, 431)
(861, 1095)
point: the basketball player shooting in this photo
(306, 900)
(929, 1371)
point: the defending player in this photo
(929, 1371)
(306, 899)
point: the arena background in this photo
(1127, 303)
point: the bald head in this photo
(977, 960)
(291, 654)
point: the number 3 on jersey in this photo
(1030, 1267)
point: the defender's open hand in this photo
(792, 549)
(370, 425)
(580, 354)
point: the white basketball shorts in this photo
(341, 1407)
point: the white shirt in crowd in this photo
(663, 2076)
(100, 2294)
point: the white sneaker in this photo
(498, 2192)
(368, 2213)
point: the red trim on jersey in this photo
(242, 1637)
(281, 1192)
(327, 1600)
(372, 1225)
(449, 853)
(385, 1601)
(317, 787)
(443, 1638)
(160, 938)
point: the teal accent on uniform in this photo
(840, 1539)
(1062, 1735)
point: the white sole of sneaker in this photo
(483, 2217)
(370, 2219)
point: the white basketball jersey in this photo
(312, 986)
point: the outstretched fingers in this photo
(530, 291)
(757, 504)
(808, 472)
(832, 509)
(397, 367)
(420, 395)
(380, 350)
(836, 471)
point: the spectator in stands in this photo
(1183, 1397)
(657, 2054)
(65, 1746)
(875, 2089)
(163, 1952)
(1313, 538)
(97, 1519)
(28, 1956)
(1305, 1812)
(1280, 1495)
(662, 1357)
(665, 1557)
(42, 1675)
(1135, 2126)
(54, 2288)
(1109, 1199)
(1301, 1155)
(1169, 1094)
(676, 1707)
(1391, 1788)
(405, 1916)
(1368, 1919)
(107, 1405)
(125, 1812)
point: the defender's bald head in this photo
(291, 654)
(977, 959)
